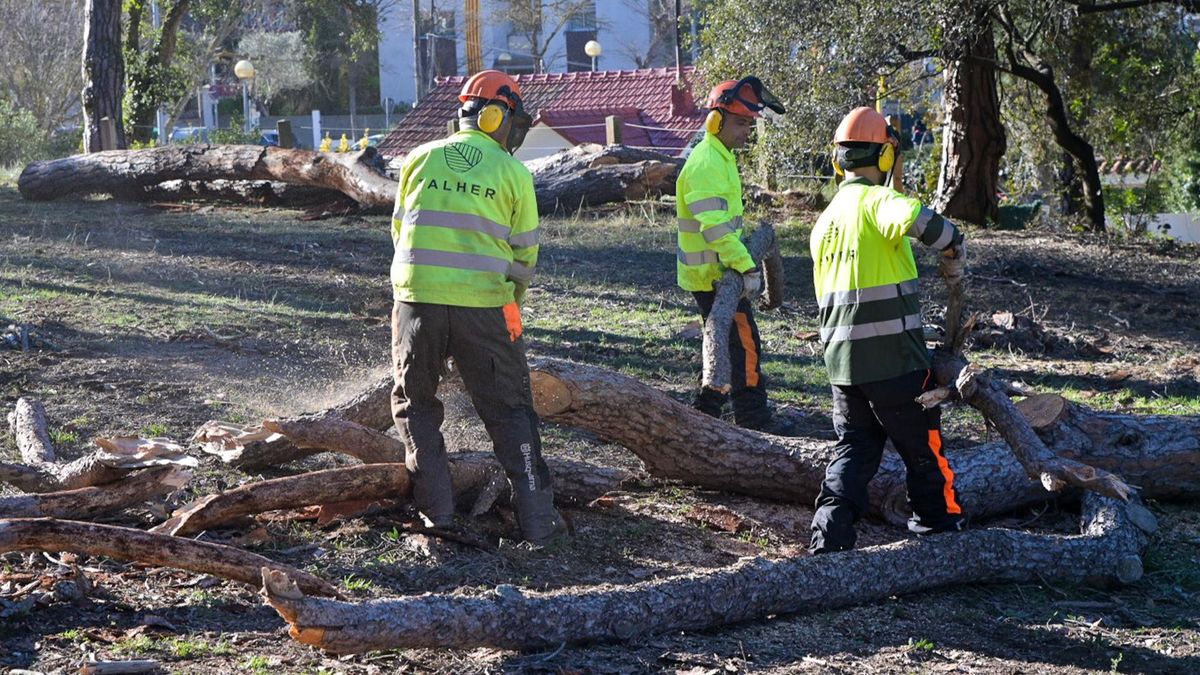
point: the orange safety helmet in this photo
(491, 85)
(727, 96)
(863, 125)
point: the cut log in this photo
(258, 448)
(583, 175)
(1107, 550)
(728, 290)
(117, 457)
(591, 174)
(1161, 454)
(90, 502)
(773, 280)
(28, 424)
(124, 543)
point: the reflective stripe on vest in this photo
(689, 225)
(463, 261)
(859, 295)
(701, 258)
(925, 215)
(870, 330)
(524, 240)
(717, 231)
(457, 221)
(711, 204)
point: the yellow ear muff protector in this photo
(887, 158)
(492, 117)
(714, 121)
(837, 168)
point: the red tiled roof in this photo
(575, 104)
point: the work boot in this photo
(548, 533)
(952, 524)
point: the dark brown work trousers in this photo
(492, 363)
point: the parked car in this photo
(189, 135)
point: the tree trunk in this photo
(477, 479)
(91, 502)
(1041, 74)
(151, 75)
(584, 175)
(973, 140)
(124, 543)
(1159, 454)
(103, 72)
(253, 192)
(1106, 550)
(129, 173)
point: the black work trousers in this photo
(865, 416)
(491, 360)
(749, 390)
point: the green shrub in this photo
(21, 140)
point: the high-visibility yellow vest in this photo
(465, 227)
(708, 204)
(866, 281)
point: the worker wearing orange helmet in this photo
(870, 315)
(709, 209)
(465, 231)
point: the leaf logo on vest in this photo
(461, 157)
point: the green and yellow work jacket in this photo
(708, 205)
(465, 225)
(866, 281)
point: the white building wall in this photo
(623, 30)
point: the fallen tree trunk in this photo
(257, 192)
(1159, 454)
(90, 502)
(124, 543)
(728, 291)
(584, 175)
(127, 173)
(1107, 550)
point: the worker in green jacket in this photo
(870, 314)
(465, 231)
(709, 209)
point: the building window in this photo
(439, 46)
(581, 27)
(584, 16)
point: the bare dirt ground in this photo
(155, 319)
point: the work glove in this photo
(751, 284)
(953, 263)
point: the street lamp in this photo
(245, 72)
(592, 49)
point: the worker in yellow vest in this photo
(870, 314)
(465, 230)
(709, 208)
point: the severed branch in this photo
(1106, 550)
(28, 424)
(720, 319)
(124, 543)
(89, 502)
(991, 398)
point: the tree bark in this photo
(715, 353)
(257, 192)
(114, 461)
(1159, 454)
(91, 502)
(103, 71)
(124, 543)
(1107, 550)
(589, 174)
(973, 141)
